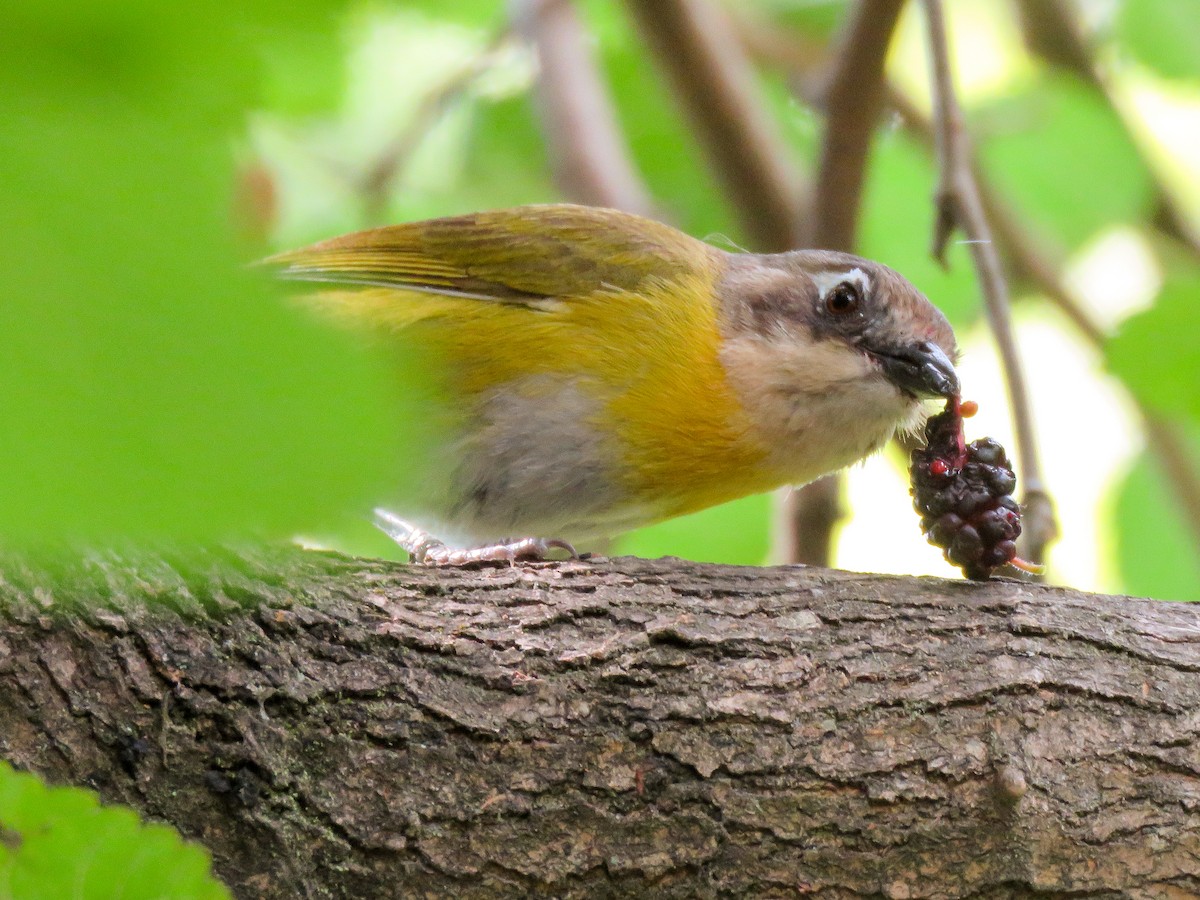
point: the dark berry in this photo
(993, 527)
(1007, 549)
(1002, 481)
(977, 497)
(967, 545)
(963, 493)
(935, 504)
(943, 530)
(988, 451)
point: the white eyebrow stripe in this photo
(827, 281)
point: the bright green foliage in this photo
(302, 70)
(1061, 158)
(737, 533)
(1163, 35)
(1155, 550)
(473, 13)
(58, 843)
(152, 385)
(814, 19)
(506, 163)
(1157, 353)
(897, 228)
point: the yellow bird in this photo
(603, 371)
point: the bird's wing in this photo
(522, 255)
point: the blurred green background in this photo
(152, 385)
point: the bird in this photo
(599, 371)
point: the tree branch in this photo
(959, 204)
(853, 98)
(1021, 250)
(588, 153)
(715, 83)
(1024, 255)
(1029, 262)
(350, 728)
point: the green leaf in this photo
(897, 227)
(303, 69)
(1156, 551)
(60, 842)
(1157, 352)
(153, 386)
(736, 533)
(473, 13)
(1059, 154)
(818, 20)
(1162, 35)
(506, 164)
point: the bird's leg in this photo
(425, 549)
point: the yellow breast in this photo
(651, 360)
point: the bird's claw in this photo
(425, 549)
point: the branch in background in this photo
(1027, 261)
(852, 98)
(1025, 258)
(1050, 31)
(588, 154)
(959, 204)
(714, 81)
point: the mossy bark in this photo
(332, 727)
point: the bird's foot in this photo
(426, 549)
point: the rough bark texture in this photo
(615, 728)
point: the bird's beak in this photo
(922, 369)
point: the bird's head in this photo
(831, 353)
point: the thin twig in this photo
(588, 154)
(706, 64)
(959, 204)
(1013, 238)
(852, 98)
(1026, 260)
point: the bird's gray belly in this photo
(536, 460)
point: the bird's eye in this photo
(843, 299)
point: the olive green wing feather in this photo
(519, 255)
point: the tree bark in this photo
(333, 727)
